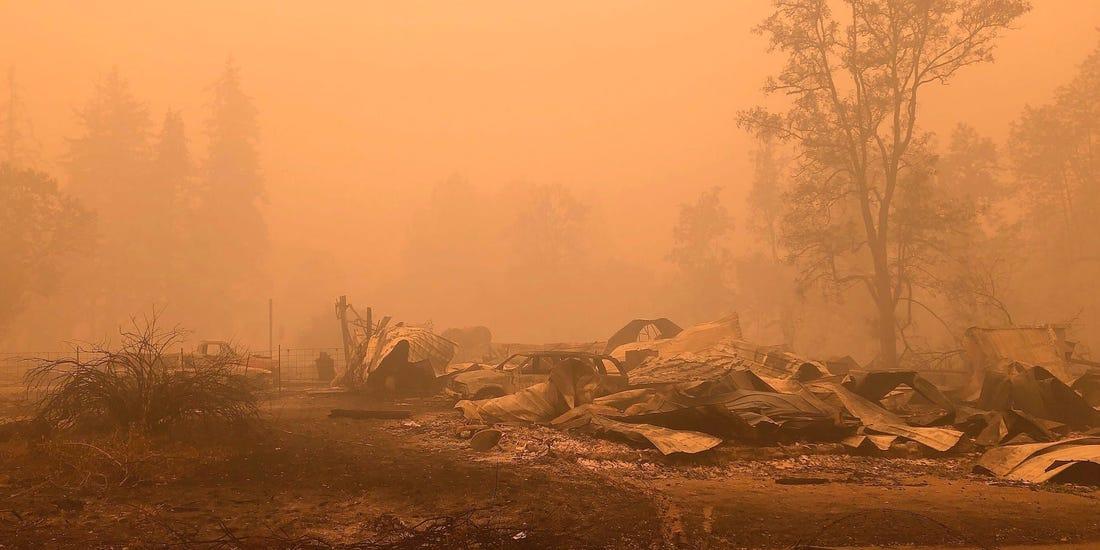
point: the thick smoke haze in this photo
(511, 164)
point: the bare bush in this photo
(141, 386)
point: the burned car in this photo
(259, 371)
(522, 370)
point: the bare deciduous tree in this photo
(855, 81)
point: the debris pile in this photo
(724, 357)
(694, 339)
(996, 349)
(703, 385)
(694, 416)
(391, 358)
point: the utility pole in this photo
(9, 134)
(277, 361)
(345, 333)
(270, 328)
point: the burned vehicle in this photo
(523, 370)
(258, 370)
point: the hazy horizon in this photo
(364, 107)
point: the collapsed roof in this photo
(693, 339)
(996, 349)
(397, 358)
(642, 330)
(706, 384)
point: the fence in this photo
(14, 365)
(302, 365)
(297, 364)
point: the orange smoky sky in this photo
(364, 105)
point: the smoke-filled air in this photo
(572, 274)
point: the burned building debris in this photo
(705, 385)
(689, 390)
(471, 343)
(392, 358)
(618, 275)
(1074, 459)
(640, 330)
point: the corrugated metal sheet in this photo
(423, 345)
(995, 349)
(725, 357)
(694, 339)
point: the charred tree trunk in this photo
(884, 301)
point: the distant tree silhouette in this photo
(173, 175)
(109, 171)
(701, 253)
(971, 169)
(233, 235)
(1056, 167)
(232, 167)
(1057, 164)
(173, 167)
(19, 146)
(108, 160)
(765, 198)
(986, 247)
(39, 228)
(548, 226)
(451, 251)
(450, 235)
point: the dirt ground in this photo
(307, 480)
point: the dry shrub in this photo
(142, 386)
(76, 466)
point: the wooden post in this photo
(270, 328)
(342, 315)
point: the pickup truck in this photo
(259, 370)
(522, 370)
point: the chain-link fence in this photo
(310, 364)
(14, 365)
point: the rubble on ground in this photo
(699, 387)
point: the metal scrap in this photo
(395, 358)
(693, 339)
(1076, 458)
(996, 349)
(652, 329)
